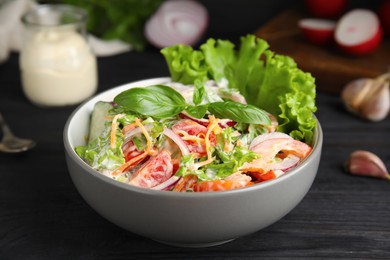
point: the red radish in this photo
(384, 15)
(359, 32)
(317, 31)
(325, 8)
(177, 22)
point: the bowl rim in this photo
(316, 148)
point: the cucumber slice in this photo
(98, 119)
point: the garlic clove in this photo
(377, 106)
(368, 98)
(365, 163)
(353, 93)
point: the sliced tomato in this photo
(195, 130)
(261, 176)
(175, 164)
(220, 185)
(156, 170)
(130, 150)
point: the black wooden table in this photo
(42, 216)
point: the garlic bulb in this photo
(368, 98)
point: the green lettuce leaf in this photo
(100, 155)
(267, 80)
(185, 64)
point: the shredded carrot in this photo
(149, 141)
(186, 183)
(212, 127)
(114, 125)
(187, 137)
(148, 151)
(129, 163)
(201, 135)
(239, 142)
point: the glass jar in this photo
(57, 65)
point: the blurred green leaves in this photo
(118, 19)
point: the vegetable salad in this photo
(153, 137)
(208, 130)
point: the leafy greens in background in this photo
(118, 19)
(267, 80)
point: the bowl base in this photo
(194, 245)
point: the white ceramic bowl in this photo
(184, 219)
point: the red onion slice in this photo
(168, 132)
(129, 135)
(176, 22)
(136, 131)
(274, 123)
(177, 140)
(267, 136)
(287, 163)
(167, 184)
(128, 146)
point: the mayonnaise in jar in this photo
(57, 65)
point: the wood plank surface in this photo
(42, 216)
(331, 68)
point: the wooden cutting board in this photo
(331, 68)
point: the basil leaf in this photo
(199, 92)
(241, 113)
(156, 101)
(197, 111)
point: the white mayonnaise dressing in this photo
(58, 68)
